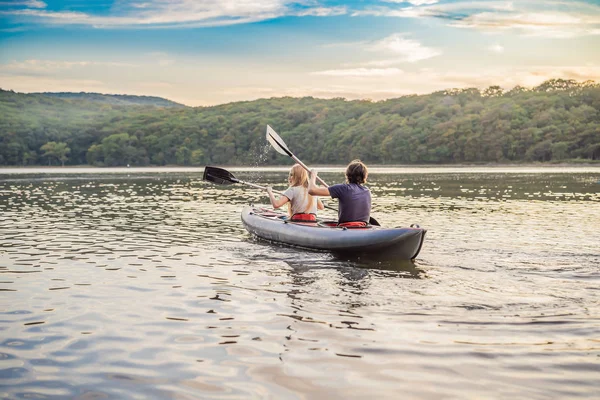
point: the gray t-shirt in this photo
(355, 202)
(300, 200)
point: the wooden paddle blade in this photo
(219, 176)
(277, 142)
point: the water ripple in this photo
(147, 285)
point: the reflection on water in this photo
(127, 284)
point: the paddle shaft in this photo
(256, 186)
(307, 170)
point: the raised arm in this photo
(313, 189)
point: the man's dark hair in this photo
(356, 172)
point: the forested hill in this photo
(117, 99)
(556, 121)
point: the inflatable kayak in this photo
(396, 243)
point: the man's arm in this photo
(313, 189)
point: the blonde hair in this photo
(299, 177)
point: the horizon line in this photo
(590, 81)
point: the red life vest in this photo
(304, 217)
(353, 224)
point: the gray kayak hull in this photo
(396, 243)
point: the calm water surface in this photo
(144, 284)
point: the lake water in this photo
(143, 283)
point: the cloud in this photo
(506, 77)
(163, 59)
(421, 2)
(322, 12)
(156, 85)
(15, 29)
(51, 67)
(404, 49)
(336, 83)
(543, 18)
(360, 72)
(178, 13)
(546, 24)
(496, 48)
(23, 3)
(413, 2)
(451, 11)
(26, 83)
(323, 84)
(397, 49)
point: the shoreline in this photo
(374, 169)
(287, 165)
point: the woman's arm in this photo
(320, 205)
(313, 189)
(276, 203)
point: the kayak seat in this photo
(328, 224)
(353, 224)
(303, 217)
(346, 225)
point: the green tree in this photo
(119, 149)
(559, 119)
(559, 150)
(95, 155)
(58, 150)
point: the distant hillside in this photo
(557, 121)
(117, 99)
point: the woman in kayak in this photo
(301, 205)
(354, 198)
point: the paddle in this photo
(280, 146)
(221, 176)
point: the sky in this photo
(209, 52)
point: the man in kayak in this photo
(354, 198)
(301, 205)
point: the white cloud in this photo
(141, 5)
(26, 83)
(496, 48)
(413, 2)
(156, 85)
(15, 29)
(180, 13)
(360, 72)
(434, 10)
(422, 2)
(322, 12)
(24, 3)
(507, 77)
(404, 49)
(547, 24)
(51, 65)
(544, 18)
(335, 83)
